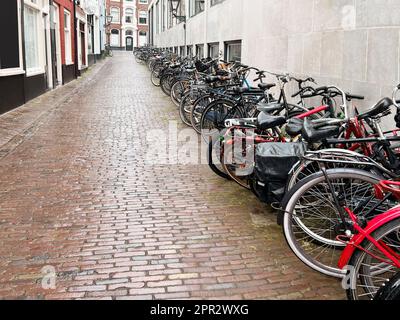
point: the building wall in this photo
(68, 5)
(68, 70)
(141, 27)
(351, 43)
(122, 25)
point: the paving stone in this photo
(78, 195)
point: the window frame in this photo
(119, 15)
(68, 59)
(132, 15)
(40, 68)
(5, 72)
(139, 17)
(213, 44)
(227, 45)
(192, 7)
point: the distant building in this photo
(129, 25)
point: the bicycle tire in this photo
(291, 221)
(357, 271)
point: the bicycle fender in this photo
(373, 225)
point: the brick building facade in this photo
(129, 25)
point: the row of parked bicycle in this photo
(331, 172)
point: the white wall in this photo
(351, 43)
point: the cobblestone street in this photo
(77, 196)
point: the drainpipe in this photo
(23, 47)
(76, 2)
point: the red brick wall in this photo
(68, 5)
(120, 5)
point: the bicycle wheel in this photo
(197, 110)
(178, 90)
(138, 59)
(215, 154)
(367, 272)
(185, 107)
(311, 222)
(214, 116)
(155, 77)
(165, 83)
(390, 291)
(237, 165)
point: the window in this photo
(67, 36)
(143, 1)
(129, 15)
(10, 54)
(196, 6)
(128, 32)
(158, 17)
(182, 51)
(115, 15)
(163, 11)
(142, 17)
(200, 51)
(189, 51)
(233, 51)
(31, 17)
(214, 2)
(213, 50)
(143, 33)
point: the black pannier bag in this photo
(201, 67)
(274, 160)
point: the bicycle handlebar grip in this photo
(324, 88)
(354, 96)
(296, 94)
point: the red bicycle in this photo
(372, 254)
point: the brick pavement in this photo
(77, 195)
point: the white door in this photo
(142, 40)
(114, 39)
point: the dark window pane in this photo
(9, 49)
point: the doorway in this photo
(129, 43)
(83, 45)
(56, 47)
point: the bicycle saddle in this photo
(382, 106)
(294, 127)
(266, 121)
(240, 89)
(315, 133)
(266, 86)
(269, 107)
(222, 73)
(211, 79)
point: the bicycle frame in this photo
(366, 233)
